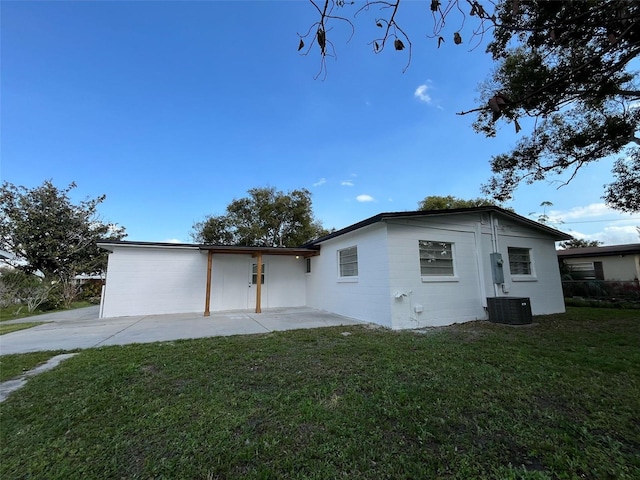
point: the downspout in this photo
(494, 244)
(259, 283)
(480, 263)
(207, 297)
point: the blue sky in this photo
(173, 109)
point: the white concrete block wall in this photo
(444, 300)
(143, 280)
(286, 281)
(231, 287)
(230, 277)
(544, 287)
(366, 298)
(154, 280)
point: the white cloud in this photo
(597, 221)
(611, 235)
(347, 183)
(173, 240)
(589, 211)
(322, 181)
(364, 198)
(421, 94)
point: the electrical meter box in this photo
(497, 270)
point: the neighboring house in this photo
(400, 270)
(612, 263)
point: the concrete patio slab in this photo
(78, 329)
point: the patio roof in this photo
(228, 249)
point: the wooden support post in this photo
(207, 298)
(259, 282)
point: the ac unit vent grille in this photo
(510, 310)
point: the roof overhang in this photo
(382, 217)
(110, 245)
(238, 250)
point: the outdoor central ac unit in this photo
(509, 310)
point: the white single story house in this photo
(400, 270)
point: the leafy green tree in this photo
(267, 217)
(435, 202)
(567, 66)
(50, 234)
(580, 243)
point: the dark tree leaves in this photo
(580, 243)
(267, 217)
(566, 64)
(436, 202)
(624, 192)
(50, 234)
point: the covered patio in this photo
(258, 253)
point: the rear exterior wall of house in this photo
(144, 280)
(156, 280)
(351, 276)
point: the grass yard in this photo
(14, 327)
(558, 399)
(14, 312)
(12, 366)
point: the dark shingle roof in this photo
(627, 249)
(433, 213)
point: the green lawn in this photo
(20, 311)
(14, 327)
(12, 366)
(558, 399)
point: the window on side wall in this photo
(436, 258)
(348, 262)
(308, 265)
(586, 271)
(520, 261)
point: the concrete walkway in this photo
(10, 386)
(81, 328)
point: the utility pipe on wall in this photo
(494, 243)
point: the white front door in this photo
(253, 285)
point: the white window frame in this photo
(522, 277)
(254, 274)
(453, 277)
(347, 278)
(307, 265)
